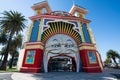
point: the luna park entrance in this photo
(62, 64)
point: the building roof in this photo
(43, 4)
(78, 8)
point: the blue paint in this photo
(80, 68)
(35, 29)
(86, 34)
(92, 57)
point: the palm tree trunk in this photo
(4, 63)
(115, 62)
(11, 63)
(1, 58)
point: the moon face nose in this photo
(62, 49)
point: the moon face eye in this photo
(60, 43)
(55, 45)
(69, 44)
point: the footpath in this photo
(107, 74)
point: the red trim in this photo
(73, 18)
(79, 9)
(92, 70)
(30, 70)
(34, 43)
(86, 44)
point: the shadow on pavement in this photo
(116, 75)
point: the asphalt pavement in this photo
(6, 76)
(107, 74)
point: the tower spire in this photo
(73, 2)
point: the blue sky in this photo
(104, 16)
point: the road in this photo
(107, 74)
(5, 76)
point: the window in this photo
(44, 11)
(91, 56)
(30, 57)
(76, 14)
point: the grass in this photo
(9, 70)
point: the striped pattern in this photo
(61, 28)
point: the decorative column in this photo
(89, 58)
(32, 61)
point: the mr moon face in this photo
(61, 44)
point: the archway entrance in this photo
(62, 63)
(61, 54)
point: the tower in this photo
(59, 41)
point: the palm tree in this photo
(113, 55)
(15, 45)
(14, 54)
(2, 52)
(3, 41)
(13, 23)
(1, 57)
(3, 37)
(108, 60)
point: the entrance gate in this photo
(59, 64)
(61, 54)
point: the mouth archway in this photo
(61, 64)
(63, 49)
